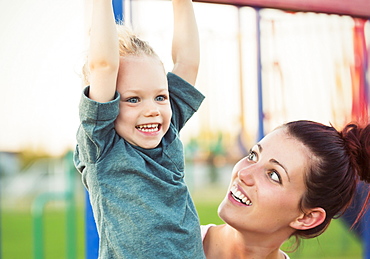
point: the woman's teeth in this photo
(148, 127)
(240, 197)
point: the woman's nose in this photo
(247, 175)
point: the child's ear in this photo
(312, 218)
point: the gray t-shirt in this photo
(141, 204)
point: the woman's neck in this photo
(226, 242)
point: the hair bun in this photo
(357, 141)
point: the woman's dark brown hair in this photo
(339, 161)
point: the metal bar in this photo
(118, 7)
(261, 130)
(354, 8)
(71, 208)
(91, 233)
(37, 211)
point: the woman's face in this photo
(266, 186)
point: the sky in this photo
(306, 62)
(41, 51)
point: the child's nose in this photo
(151, 110)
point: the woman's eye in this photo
(160, 98)
(252, 156)
(133, 100)
(275, 176)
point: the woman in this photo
(292, 183)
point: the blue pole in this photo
(366, 238)
(362, 227)
(261, 131)
(91, 233)
(118, 9)
(366, 219)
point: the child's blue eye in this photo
(133, 100)
(160, 98)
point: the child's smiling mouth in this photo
(153, 127)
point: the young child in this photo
(128, 150)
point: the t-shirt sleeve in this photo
(185, 100)
(96, 131)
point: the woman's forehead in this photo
(286, 149)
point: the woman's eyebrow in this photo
(260, 149)
(274, 161)
(279, 164)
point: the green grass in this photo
(337, 242)
(17, 235)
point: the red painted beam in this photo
(355, 8)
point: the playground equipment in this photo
(38, 213)
(359, 9)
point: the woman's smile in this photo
(240, 197)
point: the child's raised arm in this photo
(185, 42)
(103, 57)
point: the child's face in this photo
(145, 110)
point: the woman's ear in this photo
(310, 219)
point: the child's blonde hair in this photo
(129, 44)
